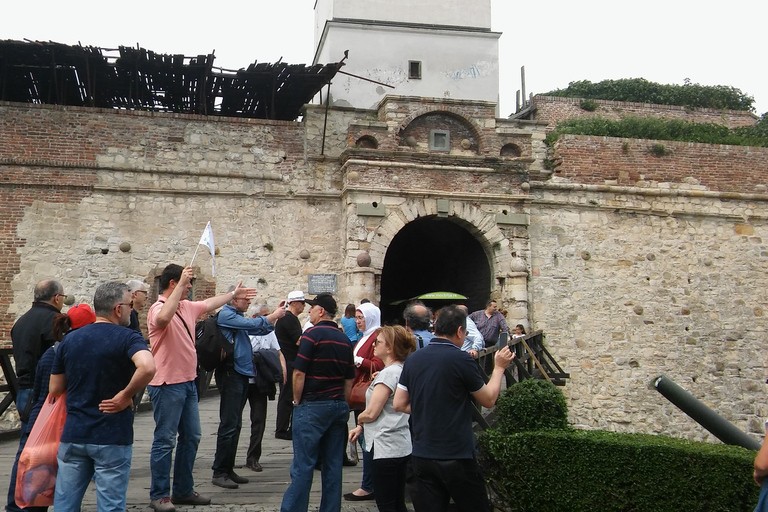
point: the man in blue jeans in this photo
(32, 335)
(171, 323)
(100, 366)
(322, 379)
(232, 381)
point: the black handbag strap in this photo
(186, 327)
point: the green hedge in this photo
(598, 471)
(534, 462)
(642, 91)
(632, 127)
(531, 405)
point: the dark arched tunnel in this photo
(433, 254)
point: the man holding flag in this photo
(171, 322)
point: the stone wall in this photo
(79, 182)
(554, 109)
(677, 245)
(628, 287)
(633, 265)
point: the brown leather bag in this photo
(356, 398)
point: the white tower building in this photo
(429, 48)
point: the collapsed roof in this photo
(138, 79)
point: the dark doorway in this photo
(433, 254)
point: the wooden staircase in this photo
(532, 361)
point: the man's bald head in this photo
(417, 316)
(51, 292)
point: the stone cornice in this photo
(647, 191)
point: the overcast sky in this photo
(557, 41)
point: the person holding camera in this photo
(436, 387)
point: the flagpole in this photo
(194, 255)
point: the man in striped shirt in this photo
(322, 379)
(490, 322)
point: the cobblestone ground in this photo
(263, 493)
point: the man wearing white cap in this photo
(288, 332)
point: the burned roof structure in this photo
(138, 79)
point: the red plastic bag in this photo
(36, 476)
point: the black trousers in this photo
(285, 401)
(389, 483)
(440, 480)
(233, 388)
(258, 403)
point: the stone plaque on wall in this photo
(322, 283)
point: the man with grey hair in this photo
(417, 318)
(232, 381)
(100, 366)
(267, 360)
(139, 298)
(32, 335)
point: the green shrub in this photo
(642, 91)
(658, 150)
(588, 105)
(589, 471)
(531, 405)
(632, 127)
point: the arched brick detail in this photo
(481, 224)
(481, 142)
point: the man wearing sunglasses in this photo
(32, 335)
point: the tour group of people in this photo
(415, 427)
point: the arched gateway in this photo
(434, 254)
(425, 245)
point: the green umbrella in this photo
(433, 296)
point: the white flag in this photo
(207, 240)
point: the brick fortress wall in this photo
(638, 264)
(76, 183)
(646, 265)
(553, 109)
(631, 162)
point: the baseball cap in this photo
(295, 296)
(325, 301)
(80, 315)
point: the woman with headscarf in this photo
(368, 318)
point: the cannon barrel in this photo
(718, 426)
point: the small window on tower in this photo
(439, 140)
(414, 69)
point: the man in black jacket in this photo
(288, 332)
(32, 335)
